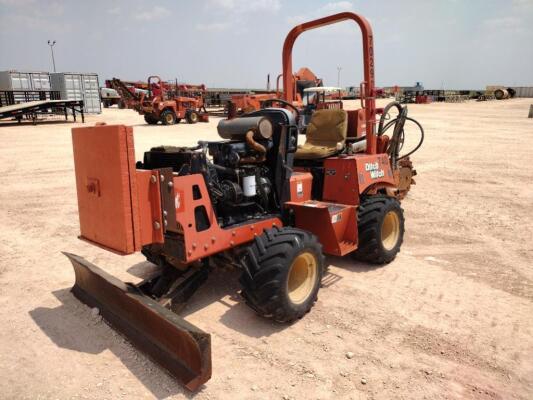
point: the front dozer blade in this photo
(175, 344)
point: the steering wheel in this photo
(286, 103)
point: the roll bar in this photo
(158, 80)
(368, 85)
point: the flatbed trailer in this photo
(32, 109)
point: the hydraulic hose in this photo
(385, 114)
(422, 134)
(398, 136)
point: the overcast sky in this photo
(454, 44)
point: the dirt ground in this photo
(451, 317)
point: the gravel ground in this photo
(451, 317)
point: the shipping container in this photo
(79, 86)
(523, 91)
(19, 80)
(21, 83)
(40, 80)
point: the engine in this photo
(236, 170)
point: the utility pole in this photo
(51, 43)
(339, 76)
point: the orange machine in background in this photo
(245, 103)
(161, 101)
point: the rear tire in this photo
(381, 228)
(192, 117)
(168, 117)
(282, 273)
(150, 119)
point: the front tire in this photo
(150, 119)
(282, 273)
(168, 117)
(381, 229)
(192, 117)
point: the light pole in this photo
(51, 44)
(339, 76)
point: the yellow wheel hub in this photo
(302, 277)
(169, 118)
(390, 230)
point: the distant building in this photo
(418, 87)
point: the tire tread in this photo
(266, 261)
(370, 213)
